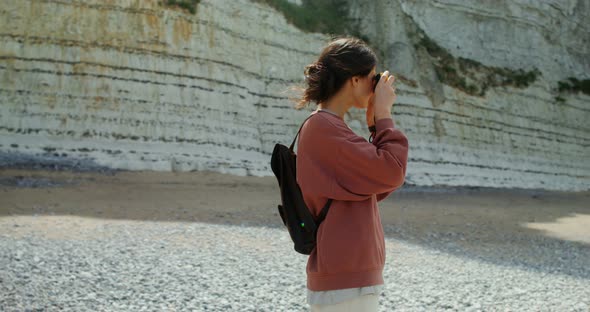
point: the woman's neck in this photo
(338, 110)
(339, 103)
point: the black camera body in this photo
(376, 80)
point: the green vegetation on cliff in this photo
(189, 5)
(574, 85)
(322, 16)
(470, 76)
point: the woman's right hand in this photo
(384, 96)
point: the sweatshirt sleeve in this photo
(362, 169)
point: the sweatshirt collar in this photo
(328, 111)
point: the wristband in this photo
(371, 137)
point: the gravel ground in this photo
(123, 265)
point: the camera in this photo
(376, 80)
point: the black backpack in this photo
(294, 212)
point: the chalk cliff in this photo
(507, 135)
(135, 85)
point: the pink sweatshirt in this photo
(334, 162)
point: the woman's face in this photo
(364, 89)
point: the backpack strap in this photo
(324, 212)
(293, 144)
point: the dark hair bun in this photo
(314, 68)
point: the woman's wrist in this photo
(382, 114)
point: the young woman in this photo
(345, 270)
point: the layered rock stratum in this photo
(141, 86)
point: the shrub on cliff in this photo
(190, 5)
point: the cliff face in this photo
(506, 135)
(132, 85)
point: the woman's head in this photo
(342, 61)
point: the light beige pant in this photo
(366, 303)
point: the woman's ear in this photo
(355, 80)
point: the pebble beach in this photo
(127, 251)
